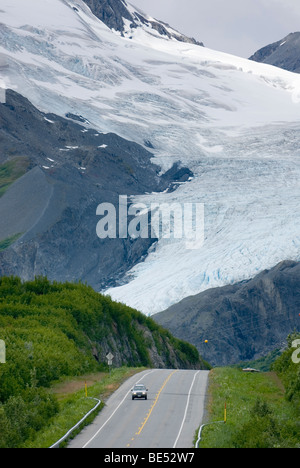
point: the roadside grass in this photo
(258, 415)
(73, 404)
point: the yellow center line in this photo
(154, 403)
(152, 407)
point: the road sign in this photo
(109, 357)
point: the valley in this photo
(101, 104)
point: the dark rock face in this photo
(240, 322)
(283, 54)
(162, 29)
(162, 352)
(71, 169)
(113, 13)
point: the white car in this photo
(139, 391)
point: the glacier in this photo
(233, 122)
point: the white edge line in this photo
(186, 408)
(100, 429)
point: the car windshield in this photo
(139, 387)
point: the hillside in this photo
(262, 408)
(283, 54)
(53, 174)
(58, 322)
(242, 321)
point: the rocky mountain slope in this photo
(240, 322)
(284, 53)
(68, 170)
(121, 16)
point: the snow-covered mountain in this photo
(233, 122)
(124, 18)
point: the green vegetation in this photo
(53, 331)
(263, 364)
(289, 371)
(11, 171)
(4, 244)
(73, 405)
(262, 408)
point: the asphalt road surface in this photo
(167, 419)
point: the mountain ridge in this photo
(242, 321)
(114, 13)
(283, 54)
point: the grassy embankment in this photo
(73, 404)
(262, 409)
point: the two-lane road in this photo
(167, 419)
